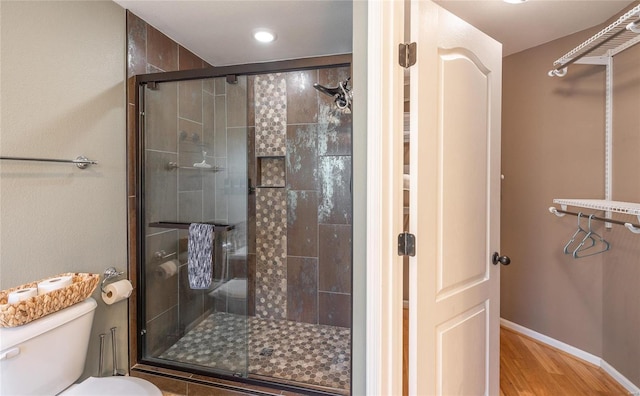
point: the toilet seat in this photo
(113, 386)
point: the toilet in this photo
(46, 357)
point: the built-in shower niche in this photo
(271, 172)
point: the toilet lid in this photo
(112, 386)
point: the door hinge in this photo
(406, 244)
(407, 54)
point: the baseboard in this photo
(621, 379)
(579, 353)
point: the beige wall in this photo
(63, 94)
(621, 271)
(553, 147)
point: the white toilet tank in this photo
(47, 355)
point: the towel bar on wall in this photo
(81, 161)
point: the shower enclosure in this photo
(265, 159)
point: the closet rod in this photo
(557, 211)
(80, 161)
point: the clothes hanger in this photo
(568, 248)
(595, 239)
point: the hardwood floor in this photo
(531, 368)
(528, 367)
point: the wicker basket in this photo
(23, 312)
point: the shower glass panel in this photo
(267, 160)
(194, 148)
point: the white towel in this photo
(200, 249)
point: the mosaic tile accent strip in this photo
(300, 352)
(271, 253)
(272, 172)
(270, 114)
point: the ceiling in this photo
(220, 31)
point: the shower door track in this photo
(137, 361)
(246, 69)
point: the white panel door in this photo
(455, 206)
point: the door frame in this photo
(385, 85)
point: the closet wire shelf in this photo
(618, 36)
(627, 208)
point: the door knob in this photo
(497, 258)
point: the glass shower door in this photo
(194, 170)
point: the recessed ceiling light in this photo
(264, 35)
(514, 1)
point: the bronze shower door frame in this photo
(136, 208)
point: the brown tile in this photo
(328, 113)
(334, 136)
(220, 195)
(190, 100)
(162, 332)
(302, 98)
(190, 206)
(335, 206)
(209, 192)
(302, 157)
(220, 85)
(187, 60)
(208, 121)
(162, 52)
(136, 45)
(302, 289)
(208, 85)
(237, 103)
(132, 150)
(190, 151)
(335, 246)
(161, 294)
(191, 301)
(220, 127)
(160, 183)
(334, 309)
(161, 113)
(330, 77)
(302, 223)
(237, 176)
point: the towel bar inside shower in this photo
(185, 226)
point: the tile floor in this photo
(301, 353)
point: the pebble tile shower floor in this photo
(299, 352)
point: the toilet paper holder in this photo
(109, 273)
(162, 255)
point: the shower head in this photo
(341, 94)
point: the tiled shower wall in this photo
(301, 167)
